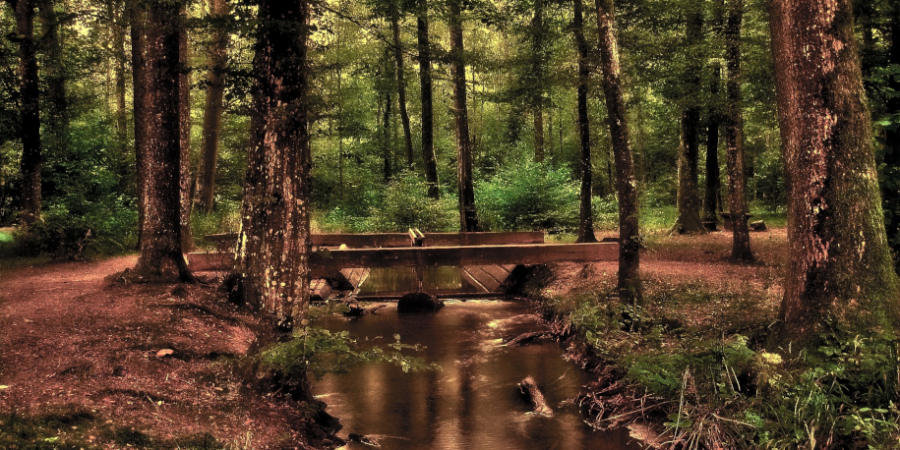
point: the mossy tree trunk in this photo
(274, 245)
(29, 98)
(212, 116)
(468, 217)
(161, 241)
(689, 151)
(586, 216)
(617, 118)
(734, 136)
(426, 83)
(839, 270)
(401, 86)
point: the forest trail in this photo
(135, 364)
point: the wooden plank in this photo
(484, 278)
(224, 241)
(502, 238)
(208, 262)
(327, 263)
(472, 280)
(499, 273)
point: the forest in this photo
(673, 223)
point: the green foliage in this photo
(64, 235)
(226, 218)
(406, 205)
(529, 196)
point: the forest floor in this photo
(87, 363)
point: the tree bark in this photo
(30, 131)
(137, 17)
(401, 87)
(586, 216)
(734, 136)
(161, 243)
(56, 111)
(386, 141)
(892, 143)
(537, 63)
(839, 274)
(713, 177)
(629, 282)
(184, 111)
(212, 116)
(425, 80)
(274, 244)
(689, 151)
(118, 22)
(467, 215)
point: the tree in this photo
(629, 283)
(274, 245)
(714, 121)
(689, 151)
(212, 116)
(467, 214)
(586, 215)
(839, 275)
(425, 81)
(734, 136)
(401, 84)
(56, 111)
(892, 138)
(161, 163)
(137, 17)
(538, 56)
(30, 131)
(184, 112)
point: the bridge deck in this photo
(226, 242)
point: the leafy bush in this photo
(66, 235)
(406, 205)
(529, 197)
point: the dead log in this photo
(529, 388)
(363, 439)
(527, 338)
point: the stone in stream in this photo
(419, 302)
(529, 388)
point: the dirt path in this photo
(74, 345)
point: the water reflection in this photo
(473, 403)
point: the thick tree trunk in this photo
(586, 216)
(734, 136)
(274, 244)
(425, 80)
(617, 119)
(30, 130)
(713, 177)
(892, 143)
(839, 276)
(401, 87)
(161, 243)
(212, 116)
(467, 215)
(184, 111)
(689, 150)
(137, 17)
(537, 68)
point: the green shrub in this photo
(529, 197)
(406, 205)
(64, 235)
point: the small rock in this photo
(419, 302)
(165, 352)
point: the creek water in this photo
(474, 401)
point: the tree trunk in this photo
(467, 214)
(56, 112)
(586, 216)
(31, 113)
(401, 87)
(386, 142)
(425, 79)
(137, 17)
(713, 177)
(617, 118)
(184, 110)
(839, 274)
(689, 150)
(734, 136)
(273, 250)
(119, 26)
(161, 243)
(212, 116)
(892, 143)
(537, 55)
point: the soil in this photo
(150, 360)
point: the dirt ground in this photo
(112, 365)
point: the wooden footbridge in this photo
(487, 261)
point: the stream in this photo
(474, 401)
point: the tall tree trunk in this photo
(839, 276)
(617, 118)
(31, 113)
(340, 76)
(161, 243)
(425, 80)
(212, 116)
(137, 17)
(467, 214)
(586, 216)
(273, 250)
(119, 24)
(184, 111)
(401, 87)
(56, 113)
(713, 177)
(537, 68)
(892, 143)
(386, 142)
(734, 136)
(689, 150)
